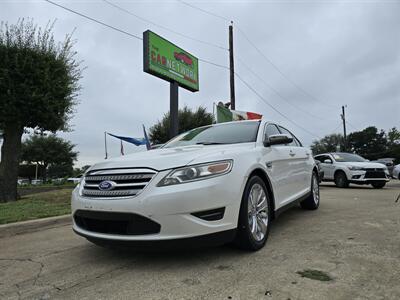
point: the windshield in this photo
(347, 157)
(229, 133)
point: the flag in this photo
(122, 148)
(227, 115)
(146, 138)
(131, 140)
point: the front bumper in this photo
(362, 177)
(171, 207)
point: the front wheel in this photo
(378, 185)
(312, 201)
(254, 216)
(341, 180)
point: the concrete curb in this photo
(17, 228)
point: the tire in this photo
(378, 185)
(312, 202)
(254, 219)
(341, 180)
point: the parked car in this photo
(36, 181)
(344, 168)
(58, 181)
(75, 180)
(23, 181)
(388, 162)
(396, 172)
(214, 184)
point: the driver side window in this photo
(322, 158)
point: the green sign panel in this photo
(167, 61)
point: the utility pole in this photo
(343, 115)
(173, 109)
(231, 67)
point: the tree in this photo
(328, 143)
(79, 171)
(55, 155)
(393, 136)
(187, 119)
(369, 143)
(39, 84)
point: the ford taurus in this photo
(218, 183)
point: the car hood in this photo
(364, 164)
(168, 158)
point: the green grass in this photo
(36, 206)
(30, 186)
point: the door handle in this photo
(292, 153)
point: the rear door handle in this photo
(291, 153)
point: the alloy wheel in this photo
(315, 187)
(258, 212)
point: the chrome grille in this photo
(118, 182)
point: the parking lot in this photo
(348, 249)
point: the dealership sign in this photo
(165, 60)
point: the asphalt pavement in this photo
(348, 249)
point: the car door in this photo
(300, 164)
(277, 160)
(327, 167)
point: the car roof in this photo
(331, 153)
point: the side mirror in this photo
(327, 161)
(277, 139)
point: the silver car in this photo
(396, 172)
(345, 168)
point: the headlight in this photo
(80, 185)
(355, 168)
(196, 172)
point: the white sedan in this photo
(217, 183)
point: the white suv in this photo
(345, 168)
(216, 183)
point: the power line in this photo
(351, 125)
(213, 63)
(271, 106)
(337, 127)
(259, 51)
(277, 92)
(162, 26)
(204, 11)
(95, 20)
(122, 31)
(203, 60)
(279, 70)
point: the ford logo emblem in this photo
(106, 185)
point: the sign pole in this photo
(173, 109)
(231, 67)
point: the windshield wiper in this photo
(209, 143)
